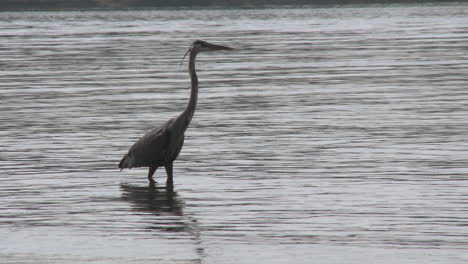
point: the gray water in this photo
(331, 135)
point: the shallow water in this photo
(331, 134)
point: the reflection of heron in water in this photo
(159, 201)
(161, 146)
(166, 212)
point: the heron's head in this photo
(202, 46)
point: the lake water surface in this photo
(331, 135)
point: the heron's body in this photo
(157, 148)
(162, 145)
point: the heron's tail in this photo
(125, 162)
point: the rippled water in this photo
(337, 135)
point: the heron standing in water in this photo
(161, 146)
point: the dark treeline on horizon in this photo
(119, 4)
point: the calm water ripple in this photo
(331, 133)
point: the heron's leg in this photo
(151, 171)
(169, 182)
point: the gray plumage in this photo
(161, 146)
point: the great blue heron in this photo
(162, 145)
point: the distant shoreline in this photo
(104, 5)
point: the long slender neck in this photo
(190, 109)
